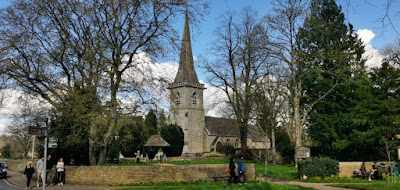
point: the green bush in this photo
(319, 167)
(173, 134)
(6, 151)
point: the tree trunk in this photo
(243, 138)
(297, 121)
(266, 161)
(273, 145)
(92, 151)
(102, 156)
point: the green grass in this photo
(174, 183)
(336, 180)
(214, 186)
(376, 185)
(287, 172)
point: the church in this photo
(202, 134)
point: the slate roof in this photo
(224, 127)
(156, 141)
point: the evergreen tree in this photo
(151, 123)
(331, 52)
(379, 114)
(132, 136)
(6, 151)
(173, 134)
(162, 119)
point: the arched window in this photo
(178, 99)
(228, 142)
(237, 143)
(194, 98)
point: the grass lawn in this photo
(217, 186)
(376, 185)
(287, 172)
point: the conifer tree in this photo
(331, 54)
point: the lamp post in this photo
(33, 145)
(41, 131)
(46, 141)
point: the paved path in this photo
(321, 186)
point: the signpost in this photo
(38, 131)
(52, 145)
(53, 142)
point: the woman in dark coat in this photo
(232, 173)
(28, 173)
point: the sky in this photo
(364, 15)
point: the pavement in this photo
(18, 181)
(319, 186)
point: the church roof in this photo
(186, 72)
(224, 127)
(156, 141)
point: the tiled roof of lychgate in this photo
(224, 127)
(156, 141)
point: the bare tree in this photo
(284, 22)
(70, 48)
(387, 17)
(240, 49)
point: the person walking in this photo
(137, 154)
(40, 169)
(241, 169)
(232, 172)
(29, 171)
(49, 170)
(60, 172)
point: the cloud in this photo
(214, 101)
(365, 35)
(4, 123)
(372, 55)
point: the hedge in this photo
(319, 167)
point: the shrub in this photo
(6, 151)
(173, 134)
(226, 149)
(319, 167)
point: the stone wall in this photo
(111, 175)
(347, 168)
(16, 165)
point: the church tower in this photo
(186, 100)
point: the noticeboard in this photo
(36, 131)
(303, 152)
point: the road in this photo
(6, 184)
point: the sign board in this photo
(52, 145)
(398, 152)
(36, 131)
(303, 152)
(53, 139)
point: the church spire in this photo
(186, 72)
